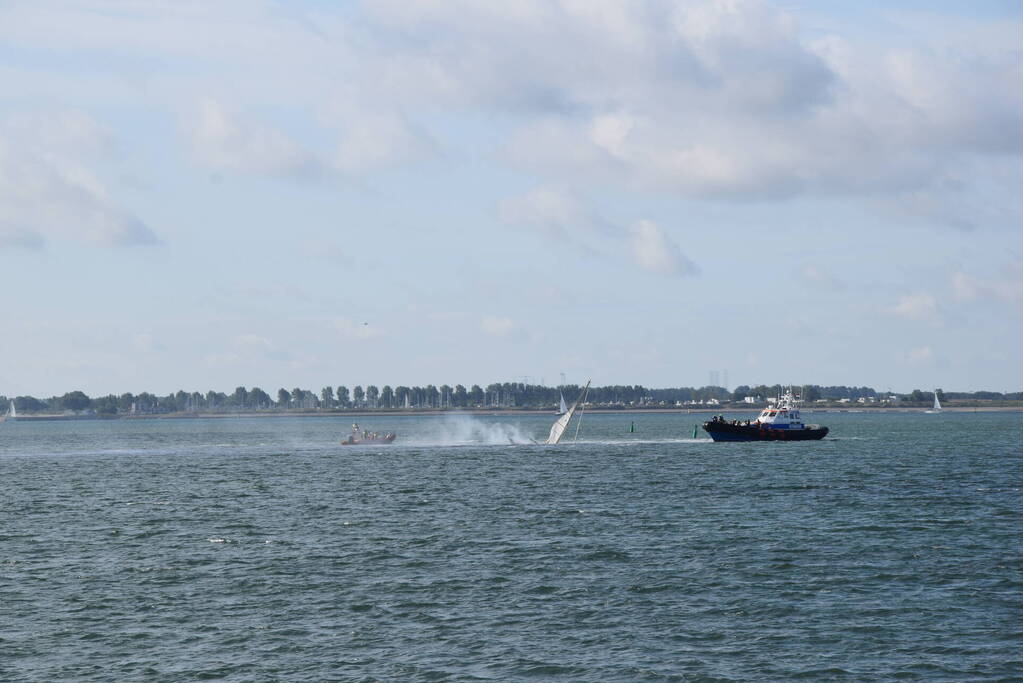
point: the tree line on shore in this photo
(430, 397)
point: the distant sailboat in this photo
(12, 414)
(561, 424)
(937, 404)
(562, 409)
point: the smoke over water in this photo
(465, 430)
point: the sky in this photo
(199, 195)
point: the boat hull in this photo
(379, 441)
(723, 431)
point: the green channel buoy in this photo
(632, 428)
(695, 427)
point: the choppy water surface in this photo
(256, 549)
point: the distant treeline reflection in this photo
(507, 395)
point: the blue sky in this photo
(204, 195)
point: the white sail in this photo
(562, 409)
(559, 426)
(937, 405)
(14, 412)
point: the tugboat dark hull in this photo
(723, 431)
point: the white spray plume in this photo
(465, 430)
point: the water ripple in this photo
(248, 550)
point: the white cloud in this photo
(799, 326)
(497, 326)
(368, 141)
(254, 341)
(689, 97)
(923, 355)
(62, 131)
(12, 235)
(1009, 285)
(221, 360)
(819, 277)
(917, 306)
(1006, 285)
(753, 53)
(557, 213)
(967, 288)
(222, 139)
(374, 141)
(253, 350)
(563, 216)
(718, 99)
(147, 343)
(610, 132)
(654, 250)
(48, 191)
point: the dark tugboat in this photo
(780, 422)
(362, 437)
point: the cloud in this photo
(557, 213)
(250, 349)
(920, 356)
(368, 141)
(918, 306)
(717, 99)
(147, 343)
(222, 139)
(799, 326)
(654, 251)
(68, 131)
(563, 216)
(1009, 287)
(12, 235)
(48, 191)
(819, 277)
(966, 288)
(1006, 285)
(254, 341)
(375, 141)
(497, 326)
(752, 52)
(690, 98)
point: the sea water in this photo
(258, 549)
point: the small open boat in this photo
(362, 437)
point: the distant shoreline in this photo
(505, 412)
